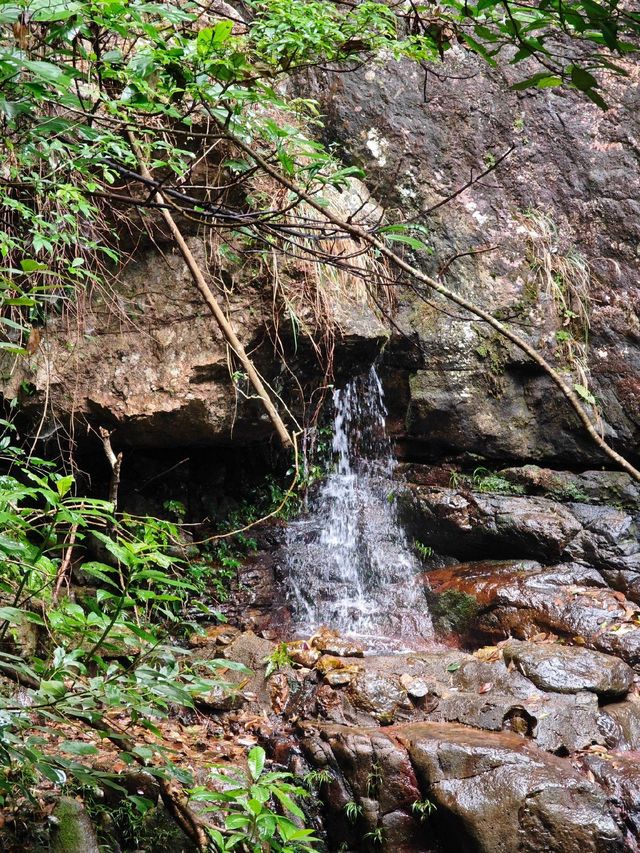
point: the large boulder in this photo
(145, 358)
(466, 524)
(521, 599)
(489, 793)
(602, 487)
(570, 669)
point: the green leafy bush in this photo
(257, 812)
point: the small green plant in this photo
(278, 659)
(453, 611)
(423, 809)
(484, 480)
(458, 480)
(567, 491)
(574, 493)
(495, 355)
(583, 392)
(257, 812)
(374, 780)
(128, 818)
(317, 778)
(352, 810)
(376, 836)
(239, 377)
(27, 389)
(425, 551)
(175, 508)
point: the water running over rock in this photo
(349, 565)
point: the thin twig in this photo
(66, 562)
(115, 462)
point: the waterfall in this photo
(348, 563)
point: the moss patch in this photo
(74, 831)
(453, 611)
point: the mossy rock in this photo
(74, 832)
(453, 611)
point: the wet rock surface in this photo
(569, 669)
(462, 523)
(525, 737)
(619, 777)
(601, 487)
(521, 599)
(491, 792)
(519, 746)
(622, 724)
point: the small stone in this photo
(327, 663)
(340, 677)
(569, 669)
(302, 653)
(278, 692)
(330, 642)
(417, 688)
(344, 648)
(268, 634)
(221, 699)
(219, 635)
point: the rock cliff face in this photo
(549, 240)
(143, 356)
(554, 227)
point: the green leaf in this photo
(78, 747)
(47, 71)
(53, 10)
(18, 616)
(64, 484)
(542, 80)
(410, 241)
(56, 689)
(29, 265)
(597, 99)
(236, 821)
(585, 394)
(453, 667)
(54, 774)
(581, 79)
(288, 804)
(211, 38)
(256, 760)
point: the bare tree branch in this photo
(220, 318)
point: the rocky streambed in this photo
(519, 728)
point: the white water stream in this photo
(349, 565)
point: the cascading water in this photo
(348, 563)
